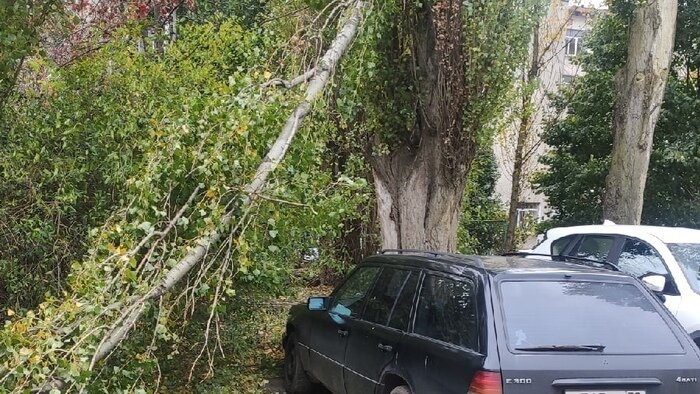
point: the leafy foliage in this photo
(581, 143)
(498, 34)
(70, 146)
(484, 220)
(378, 92)
(19, 36)
(247, 11)
(129, 140)
(130, 160)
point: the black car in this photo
(423, 322)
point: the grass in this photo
(251, 340)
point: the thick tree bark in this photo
(640, 88)
(418, 205)
(419, 186)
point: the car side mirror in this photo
(655, 283)
(317, 303)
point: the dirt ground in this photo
(276, 386)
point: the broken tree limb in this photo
(321, 75)
(305, 77)
(323, 71)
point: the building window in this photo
(567, 79)
(574, 42)
(528, 212)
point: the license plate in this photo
(606, 392)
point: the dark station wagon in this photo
(421, 322)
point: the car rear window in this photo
(617, 316)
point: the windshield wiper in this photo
(563, 348)
(610, 265)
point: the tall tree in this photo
(531, 106)
(438, 76)
(581, 143)
(419, 185)
(640, 85)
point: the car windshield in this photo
(610, 318)
(688, 256)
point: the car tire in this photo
(296, 381)
(401, 390)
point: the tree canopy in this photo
(581, 144)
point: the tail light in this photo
(485, 382)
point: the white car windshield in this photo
(688, 256)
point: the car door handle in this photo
(343, 333)
(385, 348)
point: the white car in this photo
(666, 258)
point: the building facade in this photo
(560, 40)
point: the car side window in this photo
(384, 295)
(447, 311)
(559, 245)
(351, 296)
(638, 258)
(594, 247)
(401, 312)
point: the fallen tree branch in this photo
(286, 202)
(170, 226)
(321, 75)
(305, 77)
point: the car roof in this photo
(665, 234)
(490, 265)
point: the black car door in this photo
(375, 338)
(442, 352)
(330, 331)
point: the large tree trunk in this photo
(640, 88)
(418, 204)
(420, 185)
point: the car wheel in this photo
(296, 381)
(401, 390)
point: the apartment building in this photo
(561, 39)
